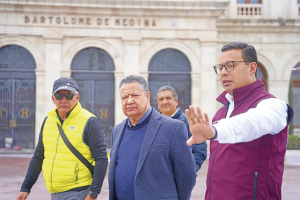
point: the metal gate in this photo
(170, 67)
(92, 69)
(17, 97)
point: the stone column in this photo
(119, 115)
(279, 88)
(196, 88)
(208, 84)
(131, 55)
(53, 48)
(40, 112)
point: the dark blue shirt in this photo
(128, 156)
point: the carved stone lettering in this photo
(34, 19)
(99, 21)
(43, 19)
(124, 22)
(106, 21)
(26, 19)
(88, 21)
(58, 20)
(73, 20)
(131, 22)
(153, 22)
(65, 22)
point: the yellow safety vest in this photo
(61, 168)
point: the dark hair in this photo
(135, 79)
(248, 51)
(167, 88)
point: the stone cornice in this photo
(162, 8)
(137, 4)
(258, 25)
(259, 22)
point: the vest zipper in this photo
(212, 169)
(54, 160)
(255, 185)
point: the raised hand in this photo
(200, 127)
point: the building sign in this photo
(89, 21)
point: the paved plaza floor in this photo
(13, 169)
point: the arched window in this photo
(262, 74)
(170, 67)
(92, 69)
(17, 97)
(294, 97)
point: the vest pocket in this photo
(255, 185)
(76, 170)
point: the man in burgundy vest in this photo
(248, 134)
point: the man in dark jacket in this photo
(249, 133)
(167, 101)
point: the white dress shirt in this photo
(269, 117)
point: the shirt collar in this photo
(175, 112)
(229, 97)
(143, 118)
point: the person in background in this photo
(167, 101)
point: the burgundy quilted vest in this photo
(248, 170)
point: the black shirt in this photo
(93, 137)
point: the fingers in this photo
(194, 114)
(206, 119)
(189, 117)
(190, 141)
(200, 116)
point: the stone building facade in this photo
(168, 42)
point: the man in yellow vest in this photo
(65, 175)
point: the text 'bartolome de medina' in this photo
(61, 20)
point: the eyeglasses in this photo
(59, 96)
(229, 66)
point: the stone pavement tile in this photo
(13, 170)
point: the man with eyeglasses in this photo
(65, 175)
(248, 134)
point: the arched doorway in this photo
(170, 67)
(294, 99)
(262, 74)
(92, 69)
(17, 97)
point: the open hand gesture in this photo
(200, 127)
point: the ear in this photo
(253, 68)
(176, 102)
(148, 96)
(53, 98)
(78, 98)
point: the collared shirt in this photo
(231, 105)
(268, 117)
(142, 119)
(175, 112)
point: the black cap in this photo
(64, 83)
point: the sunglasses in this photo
(59, 96)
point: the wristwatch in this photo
(93, 194)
